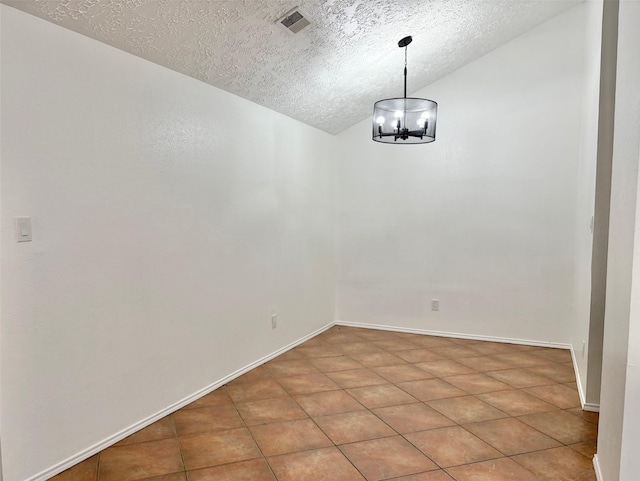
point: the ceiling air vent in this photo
(295, 20)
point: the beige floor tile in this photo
(516, 402)
(510, 436)
(254, 470)
(307, 384)
(438, 475)
(555, 372)
(485, 363)
(558, 464)
(522, 359)
(430, 389)
(456, 352)
(445, 367)
(452, 446)
(402, 372)
(476, 383)
(356, 378)
(587, 415)
(495, 470)
(588, 475)
(206, 420)
(329, 402)
(553, 355)
(140, 461)
(254, 390)
(520, 377)
(491, 348)
(409, 418)
(387, 458)
(418, 355)
(354, 426)
(586, 448)
(377, 359)
(327, 464)
(289, 437)
(336, 363)
(361, 347)
(563, 426)
(466, 409)
(381, 396)
(556, 394)
(270, 411)
(214, 449)
(169, 477)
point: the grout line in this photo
(173, 425)
(329, 437)
(98, 466)
(255, 442)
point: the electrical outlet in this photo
(435, 304)
(274, 321)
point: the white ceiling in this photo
(328, 75)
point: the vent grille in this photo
(294, 21)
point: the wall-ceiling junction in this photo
(329, 74)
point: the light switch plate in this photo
(23, 229)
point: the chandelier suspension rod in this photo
(405, 71)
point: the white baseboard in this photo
(596, 467)
(105, 443)
(456, 335)
(576, 373)
(586, 406)
(591, 407)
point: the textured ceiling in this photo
(328, 75)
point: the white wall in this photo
(485, 218)
(586, 185)
(629, 146)
(618, 437)
(163, 235)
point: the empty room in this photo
(222, 261)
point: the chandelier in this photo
(408, 120)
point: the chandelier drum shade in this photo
(406, 120)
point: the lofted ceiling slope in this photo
(329, 74)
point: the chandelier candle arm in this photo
(396, 119)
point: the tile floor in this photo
(357, 404)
